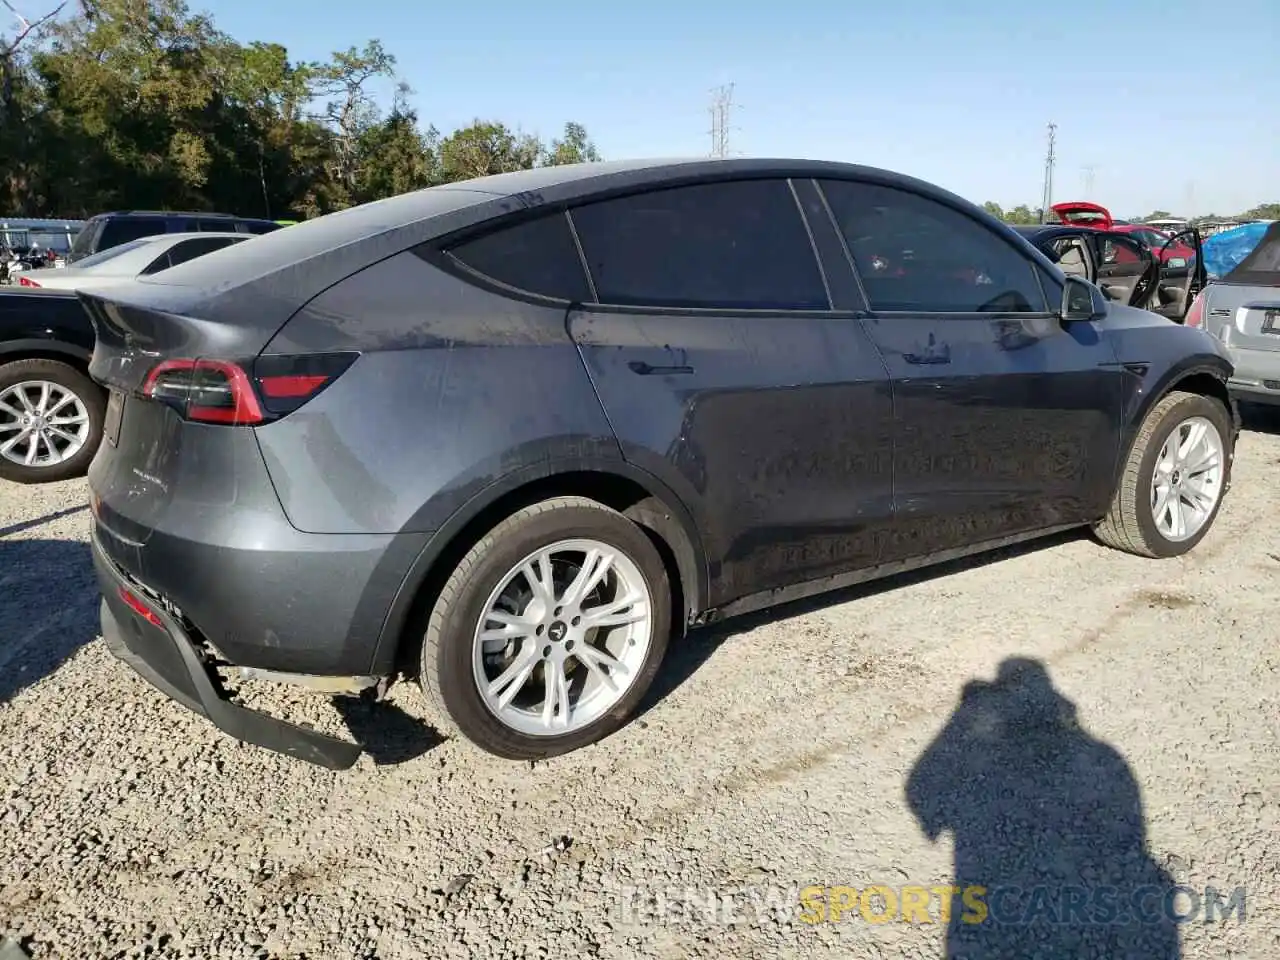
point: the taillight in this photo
(24, 281)
(286, 383)
(207, 391)
(221, 391)
(1195, 313)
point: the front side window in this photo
(915, 254)
(734, 245)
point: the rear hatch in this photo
(1081, 213)
(181, 354)
(1244, 317)
(182, 393)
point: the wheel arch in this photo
(1204, 375)
(11, 351)
(637, 494)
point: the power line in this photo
(1049, 160)
(721, 111)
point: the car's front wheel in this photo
(1174, 479)
(51, 418)
(549, 631)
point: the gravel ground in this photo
(779, 753)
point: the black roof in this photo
(277, 273)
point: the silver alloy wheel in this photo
(42, 423)
(1187, 482)
(563, 637)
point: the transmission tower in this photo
(721, 112)
(1049, 160)
(1088, 183)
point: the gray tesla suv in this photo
(511, 436)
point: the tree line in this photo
(117, 104)
(1023, 215)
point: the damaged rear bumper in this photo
(148, 638)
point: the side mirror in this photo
(1081, 300)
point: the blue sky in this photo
(956, 92)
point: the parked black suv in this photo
(510, 435)
(108, 230)
(51, 413)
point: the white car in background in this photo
(133, 259)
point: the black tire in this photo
(446, 674)
(90, 395)
(1129, 524)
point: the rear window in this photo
(123, 229)
(279, 249)
(110, 254)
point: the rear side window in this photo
(915, 254)
(52, 310)
(537, 256)
(736, 245)
(255, 227)
(82, 246)
(104, 256)
(188, 250)
(120, 230)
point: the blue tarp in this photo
(1224, 250)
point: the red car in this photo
(1081, 213)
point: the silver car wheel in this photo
(41, 423)
(1187, 482)
(563, 637)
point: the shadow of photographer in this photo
(1048, 821)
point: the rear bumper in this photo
(1257, 375)
(159, 649)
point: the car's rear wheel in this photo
(51, 419)
(549, 631)
(1174, 479)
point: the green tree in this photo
(1263, 211)
(574, 146)
(142, 103)
(350, 111)
(395, 156)
(487, 147)
(1022, 215)
(993, 208)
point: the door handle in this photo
(918, 358)
(648, 369)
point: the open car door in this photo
(1082, 213)
(1127, 270)
(1180, 281)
